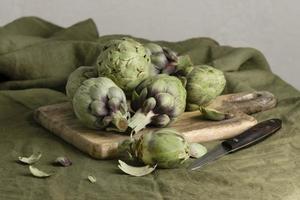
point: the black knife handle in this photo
(253, 135)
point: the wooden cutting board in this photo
(60, 120)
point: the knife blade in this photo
(249, 137)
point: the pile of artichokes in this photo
(134, 85)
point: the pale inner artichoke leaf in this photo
(135, 171)
(31, 159)
(92, 179)
(38, 173)
(197, 150)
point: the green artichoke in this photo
(124, 61)
(165, 147)
(157, 100)
(204, 83)
(77, 77)
(99, 103)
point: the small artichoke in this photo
(167, 61)
(163, 59)
(99, 103)
(124, 61)
(77, 77)
(165, 148)
(157, 100)
(204, 83)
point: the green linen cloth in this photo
(36, 58)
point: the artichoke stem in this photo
(120, 122)
(140, 120)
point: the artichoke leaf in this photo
(154, 48)
(149, 105)
(183, 80)
(134, 96)
(184, 61)
(92, 179)
(165, 102)
(143, 94)
(215, 115)
(63, 161)
(135, 171)
(115, 92)
(31, 159)
(38, 173)
(184, 65)
(197, 150)
(161, 120)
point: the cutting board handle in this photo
(246, 102)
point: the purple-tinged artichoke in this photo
(204, 83)
(99, 103)
(157, 100)
(126, 62)
(77, 77)
(167, 61)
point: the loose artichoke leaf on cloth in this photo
(269, 170)
(38, 173)
(92, 179)
(63, 161)
(33, 158)
(135, 171)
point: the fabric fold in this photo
(35, 53)
(228, 58)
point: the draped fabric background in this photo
(36, 58)
(272, 27)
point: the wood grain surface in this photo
(60, 120)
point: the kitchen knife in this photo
(249, 137)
